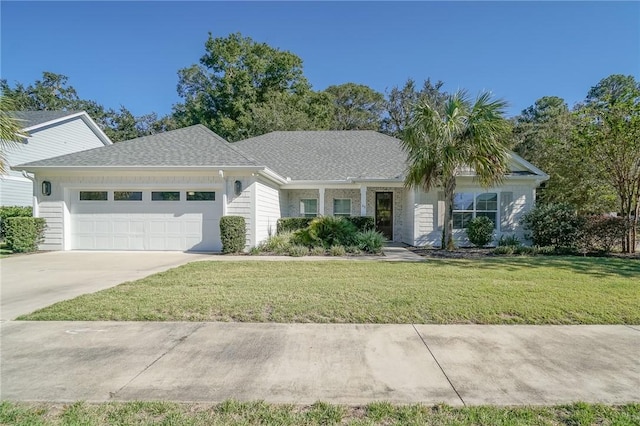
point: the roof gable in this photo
(194, 146)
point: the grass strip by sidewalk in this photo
(260, 413)
(554, 290)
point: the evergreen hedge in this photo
(232, 233)
(23, 234)
(12, 211)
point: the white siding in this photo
(61, 138)
(241, 205)
(267, 210)
(52, 212)
(16, 191)
(427, 209)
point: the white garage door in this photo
(145, 220)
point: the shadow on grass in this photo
(593, 266)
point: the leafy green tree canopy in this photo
(401, 101)
(356, 107)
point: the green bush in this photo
(504, 249)
(604, 233)
(370, 241)
(317, 251)
(555, 225)
(278, 244)
(480, 231)
(331, 231)
(362, 223)
(12, 211)
(337, 250)
(232, 233)
(305, 237)
(509, 241)
(23, 234)
(298, 251)
(292, 224)
(353, 250)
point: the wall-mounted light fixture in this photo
(237, 187)
(46, 187)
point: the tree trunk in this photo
(449, 191)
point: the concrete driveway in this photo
(30, 282)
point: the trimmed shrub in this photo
(504, 250)
(23, 234)
(370, 241)
(232, 233)
(331, 231)
(292, 224)
(480, 231)
(362, 223)
(555, 225)
(509, 241)
(337, 250)
(298, 251)
(12, 211)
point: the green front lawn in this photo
(549, 290)
(260, 413)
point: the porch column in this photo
(363, 200)
(320, 201)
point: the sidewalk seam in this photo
(179, 341)
(631, 327)
(438, 363)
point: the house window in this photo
(201, 196)
(467, 206)
(309, 207)
(93, 195)
(342, 207)
(127, 196)
(165, 196)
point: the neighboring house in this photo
(51, 133)
(168, 191)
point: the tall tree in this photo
(402, 100)
(439, 141)
(10, 131)
(545, 135)
(356, 107)
(235, 76)
(610, 137)
(281, 111)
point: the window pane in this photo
(93, 195)
(127, 195)
(165, 196)
(487, 202)
(463, 201)
(461, 219)
(490, 215)
(201, 196)
(309, 207)
(342, 207)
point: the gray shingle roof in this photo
(33, 118)
(328, 155)
(194, 146)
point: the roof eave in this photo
(35, 169)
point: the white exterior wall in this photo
(243, 204)
(429, 213)
(267, 207)
(61, 138)
(55, 208)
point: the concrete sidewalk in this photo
(303, 363)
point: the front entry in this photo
(384, 214)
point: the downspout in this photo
(34, 198)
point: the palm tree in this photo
(10, 131)
(461, 133)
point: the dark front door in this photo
(384, 214)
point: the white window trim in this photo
(127, 190)
(342, 214)
(109, 196)
(181, 196)
(303, 212)
(475, 210)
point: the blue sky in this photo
(128, 53)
